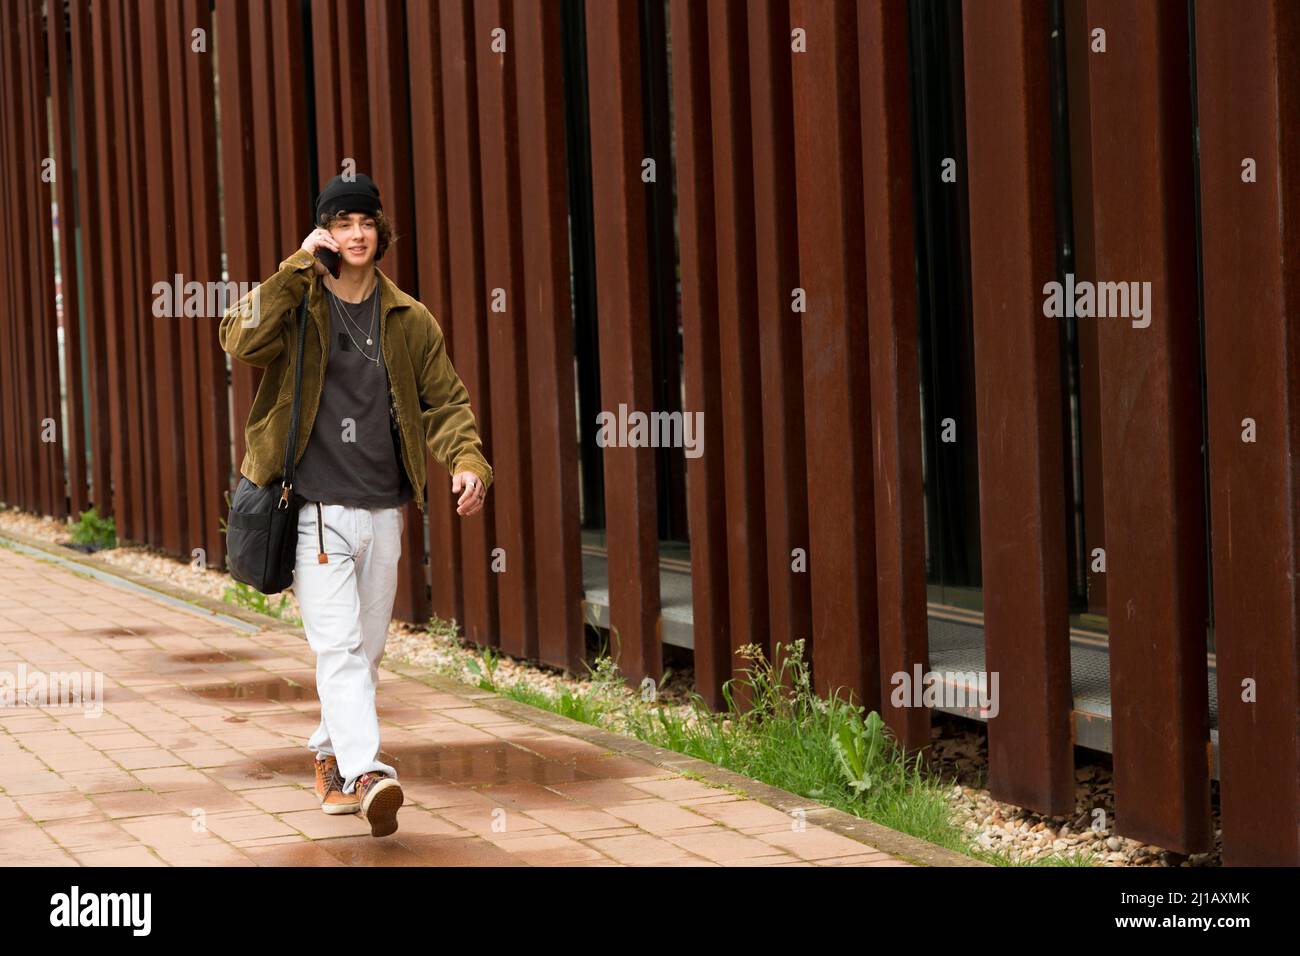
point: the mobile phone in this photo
(330, 259)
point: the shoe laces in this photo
(333, 779)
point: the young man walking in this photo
(377, 389)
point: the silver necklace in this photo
(347, 308)
(369, 337)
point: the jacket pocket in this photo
(258, 434)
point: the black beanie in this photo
(340, 195)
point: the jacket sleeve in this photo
(450, 429)
(253, 329)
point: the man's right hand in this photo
(317, 239)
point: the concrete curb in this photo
(893, 842)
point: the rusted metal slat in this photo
(27, 264)
(459, 50)
(244, 243)
(433, 264)
(297, 197)
(389, 114)
(543, 224)
(177, 47)
(161, 384)
(1018, 404)
(1248, 94)
(702, 361)
(340, 94)
(177, 44)
(895, 374)
(776, 269)
(205, 232)
(270, 150)
(138, 344)
(107, 211)
(93, 287)
(837, 402)
(54, 453)
(7, 352)
(61, 111)
(622, 286)
(51, 493)
(354, 108)
(390, 125)
(734, 265)
(25, 433)
(9, 281)
(507, 328)
(1151, 425)
(325, 90)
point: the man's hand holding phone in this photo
(322, 245)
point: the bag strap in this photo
(286, 483)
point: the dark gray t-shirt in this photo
(353, 456)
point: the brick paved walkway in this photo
(199, 758)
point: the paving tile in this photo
(146, 758)
(660, 816)
(68, 760)
(169, 829)
(39, 781)
(67, 805)
(811, 843)
(204, 855)
(89, 834)
(131, 803)
(291, 854)
(102, 781)
(119, 856)
(553, 849)
(283, 799)
(164, 779)
(233, 825)
(722, 845)
(576, 820)
(637, 849)
(315, 824)
(18, 839)
(210, 798)
(53, 855)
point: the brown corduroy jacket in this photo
(432, 403)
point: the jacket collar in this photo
(390, 298)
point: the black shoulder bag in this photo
(262, 530)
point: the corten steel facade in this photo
(838, 255)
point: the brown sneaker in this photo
(329, 788)
(380, 795)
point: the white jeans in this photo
(346, 605)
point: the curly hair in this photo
(383, 225)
